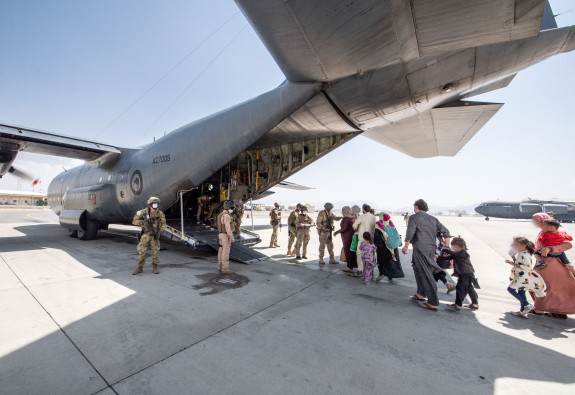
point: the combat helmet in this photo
(153, 199)
(228, 204)
(328, 206)
(303, 208)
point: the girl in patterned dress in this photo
(367, 249)
(523, 278)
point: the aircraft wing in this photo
(291, 185)
(324, 40)
(15, 138)
(442, 131)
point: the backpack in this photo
(393, 240)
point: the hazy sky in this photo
(73, 67)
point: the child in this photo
(551, 237)
(367, 249)
(463, 270)
(523, 278)
(441, 247)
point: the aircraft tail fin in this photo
(548, 21)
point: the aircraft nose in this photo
(479, 209)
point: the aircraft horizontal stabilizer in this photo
(442, 131)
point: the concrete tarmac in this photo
(73, 320)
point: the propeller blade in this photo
(25, 176)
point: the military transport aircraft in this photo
(562, 211)
(395, 71)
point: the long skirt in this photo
(560, 289)
(387, 266)
(423, 267)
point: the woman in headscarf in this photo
(346, 231)
(387, 258)
(560, 299)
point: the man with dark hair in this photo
(421, 205)
(421, 232)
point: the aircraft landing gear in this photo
(91, 231)
(73, 233)
(487, 218)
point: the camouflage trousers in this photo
(302, 239)
(325, 240)
(274, 239)
(292, 235)
(147, 240)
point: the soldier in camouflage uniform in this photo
(275, 221)
(237, 216)
(153, 223)
(292, 229)
(303, 224)
(325, 228)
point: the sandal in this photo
(471, 306)
(562, 316)
(519, 314)
(347, 269)
(414, 297)
(427, 306)
(453, 307)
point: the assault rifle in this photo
(149, 225)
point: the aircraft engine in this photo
(557, 209)
(530, 208)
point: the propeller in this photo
(23, 175)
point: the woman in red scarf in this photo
(560, 299)
(387, 258)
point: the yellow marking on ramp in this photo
(38, 218)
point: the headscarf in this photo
(384, 219)
(540, 217)
(356, 210)
(346, 211)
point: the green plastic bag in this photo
(354, 242)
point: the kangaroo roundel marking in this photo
(137, 183)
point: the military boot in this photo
(276, 245)
(321, 261)
(332, 261)
(290, 253)
(227, 271)
(139, 270)
(155, 270)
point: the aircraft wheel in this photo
(487, 218)
(73, 233)
(90, 233)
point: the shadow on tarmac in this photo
(356, 342)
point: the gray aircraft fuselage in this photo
(562, 211)
(249, 148)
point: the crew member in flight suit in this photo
(304, 222)
(292, 229)
(203, 207)
(276, 218)
(150, 218)
(225, 237)
(325, 228)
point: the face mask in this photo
(231, 210)
(512, 251)
(304, 212)
(154, 205)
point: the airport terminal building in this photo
(20, 198)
